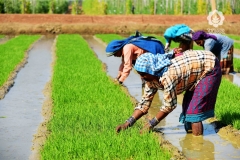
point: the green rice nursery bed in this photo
(87, 106)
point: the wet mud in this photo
(214, 144)
(94, 24)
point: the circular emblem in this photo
(215, 18)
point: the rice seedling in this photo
(227, 107)
(12, 53)
(237, 45)
(87, 106)
(236, 64)
(234, 37)
(105, 37)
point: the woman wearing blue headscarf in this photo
(220, 45)
(178, 33)
(130, 49)
(198, 73)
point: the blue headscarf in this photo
(175, 31)
(149, 44)
(116, 45)
(153, 64)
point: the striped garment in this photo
(184, 74)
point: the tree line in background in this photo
(109, 7)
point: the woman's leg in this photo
(227, 63)
(230, 52)
(197, 128)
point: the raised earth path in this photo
(124, 24)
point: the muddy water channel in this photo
(20, 110)
(210, 146)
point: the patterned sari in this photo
(198, 105)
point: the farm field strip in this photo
(228, 95)
(12, 53)
(227, 107)
(20, 109)
(236, 64)
(237, 45)
(234, 37)
(87, 106)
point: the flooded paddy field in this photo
(20, 110)
(209, 146)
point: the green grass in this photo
(227, 107)
(87, 106)
(12, 53)
(236, 45)
(105, 37)
(1, 36)
(234, 37)
(236, 64)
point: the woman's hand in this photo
(122, 127)
(177, 52)
(146, 128)
(117, 81)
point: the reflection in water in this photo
(236, 55)
(197, 148)
(233, 77)
(229, 77)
